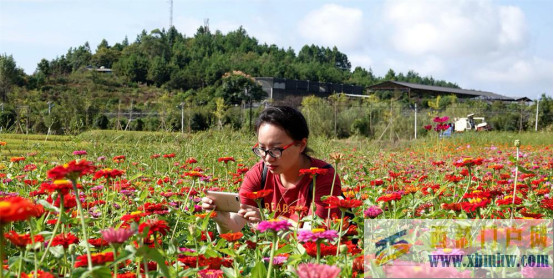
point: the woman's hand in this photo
(250, 213)
(208, 204)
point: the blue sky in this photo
(491, 45)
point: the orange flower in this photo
(21, 240)
(257, 195)
(17, 159)
(17, 209)
(232, 236)
(119, 159)
(313, 171)
(335, 202)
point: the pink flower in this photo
(80, 152)
(274, 225)
(119, 236)
(428, 127)
(277, 260)
(210, 273)
(310, 270)
(316, 234)
(441, 119)
(372, 212)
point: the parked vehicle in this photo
(469, 124)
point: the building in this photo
(414, 90)
(281, 88)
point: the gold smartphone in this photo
(225, 201)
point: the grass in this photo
(231, 143)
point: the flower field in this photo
(127, 204)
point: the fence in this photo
(383, 120)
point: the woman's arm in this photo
(230, 221)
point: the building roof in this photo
(439, 89)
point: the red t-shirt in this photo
(282, 198)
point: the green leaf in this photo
(154, 255)
(229, 272)
(259, 271)
(523, 170)
(98, 272)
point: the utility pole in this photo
(182, 105)
(50, 105)
(537, 116)
(250, 113)
(415, 122)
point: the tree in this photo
(239, 87)
(10, 75)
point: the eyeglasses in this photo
(273, 152)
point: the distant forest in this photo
(161, 70)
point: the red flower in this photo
(546, 203)
(377, 182)
(428, 127)
(64, 240)
(313, 171)
(257, 195)
(496, 167)
(98, 242)
(326, 249)
(437, 163)
(97, 259)
(390, 197)
(111, 173)
(119, 159)
(508, 200)
(17, 159)
(69, 201)
(203, 236)
(231, 237)
(452, 206)
(469, 162)
(22, 240)
(17, 209)
(335, 202)
(135, 216)
(154, 226)
(71, 170)
(154, 156)
(30, 167)
(191, 161)
(62, 186)
(530, 214)
(226, 159)
(453, 178)
(40, 274)
(210, 273)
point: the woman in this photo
(282, 145)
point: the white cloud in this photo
(454, 28)
(516, 70)
(332, 25)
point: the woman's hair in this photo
(289, 119)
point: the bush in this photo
(101, 122)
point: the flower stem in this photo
(331, 193)
(468, 184)
(342, 211)
(2, 244)
(313, 203)
(83, 226)
(318, 247)
(55, 230)
(515, 185)
(275, 242)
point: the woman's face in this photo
(271, 136)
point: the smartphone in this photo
(225, 201)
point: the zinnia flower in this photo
(119, 236)
(316, 234)
(210, 273)
(232, 236)
(336, 202)
(17, 209)
(63, 186)
(107, 172)
(40, 274)
(64, 240)
(257, 195)
(155, 226)
(97, 259)
(71, 170)
(226, 159)
(22, 240)
(311, 270)
(313, 171)
(274, 225)
(372, 212)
